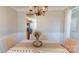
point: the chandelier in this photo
(38, 10)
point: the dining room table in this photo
(26, 46)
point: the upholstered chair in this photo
(71, 45)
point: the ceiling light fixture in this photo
(38, 10)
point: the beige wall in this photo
(8, 21)
(53, 21)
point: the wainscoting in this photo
(52, 37)
(17, 37)
(56, 37)
(74, 35)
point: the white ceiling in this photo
(53, 8)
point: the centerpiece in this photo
(37, 42)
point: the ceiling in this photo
(50, 8)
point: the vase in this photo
(37, 42)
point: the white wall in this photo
(21, 22)
(77, 26)
(22, 25)
(8, 25)
(53, 21)
(52, 25)
(8, 21)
